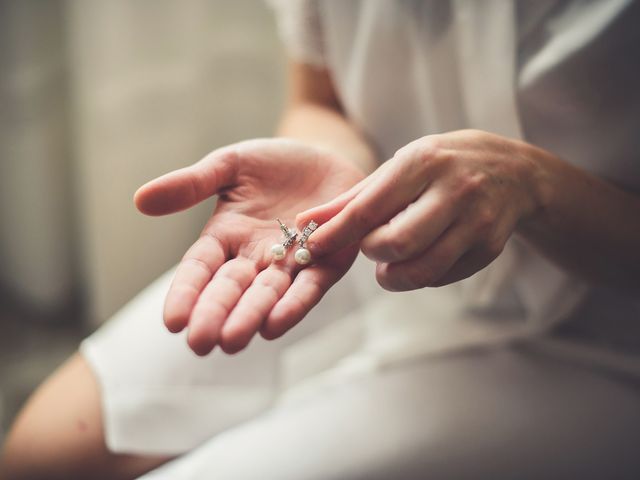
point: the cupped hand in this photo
(440, 210)
(227, 287)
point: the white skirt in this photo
(382, 376)
(158, 396)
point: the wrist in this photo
(538, 183)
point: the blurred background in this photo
(96, 98)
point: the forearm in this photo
(326, 128)
(585, 224)
(314, 115)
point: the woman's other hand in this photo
(440, 210)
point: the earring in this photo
(278, 250)
(303, 255)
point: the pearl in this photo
(277, 251)
(302, 256)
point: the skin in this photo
(227, 287)
(61, 436)
(443, 207)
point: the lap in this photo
(491, 413)
(494, 412)
(159, 398)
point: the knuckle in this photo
(398, 247)
(474, 134)
(403, 151)
(423, 151)
(430, 152)
(429, 146)
(233, 150)
(485, 220)
(390, 246)
(471, 184)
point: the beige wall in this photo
(36, 247)
(153, 85)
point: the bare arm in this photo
(585, 224)
(314, 115)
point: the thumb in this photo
(184, 188)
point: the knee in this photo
(37, 449)
(45, 441)
(59, 434)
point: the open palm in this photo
(227, 287)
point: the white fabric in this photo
(478, 415)
(556, 73)
(158, 397)
(299, 27)
(403, 70)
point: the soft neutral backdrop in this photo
(98, 97)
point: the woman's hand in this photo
(227, 287)
(440, 210)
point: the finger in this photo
(305, 292)
(480, 255)
(254, 307)
(413, 230)
(193, 273)
(471, 262)
(183, 188)
(216, 302)
(324, 212)
(430, 266)
(376, 204)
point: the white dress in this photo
(437, 381)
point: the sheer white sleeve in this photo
(300, 29)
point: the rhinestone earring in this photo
(303, 255)
(279, 250)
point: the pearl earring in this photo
(278, 250)
(303, 255)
